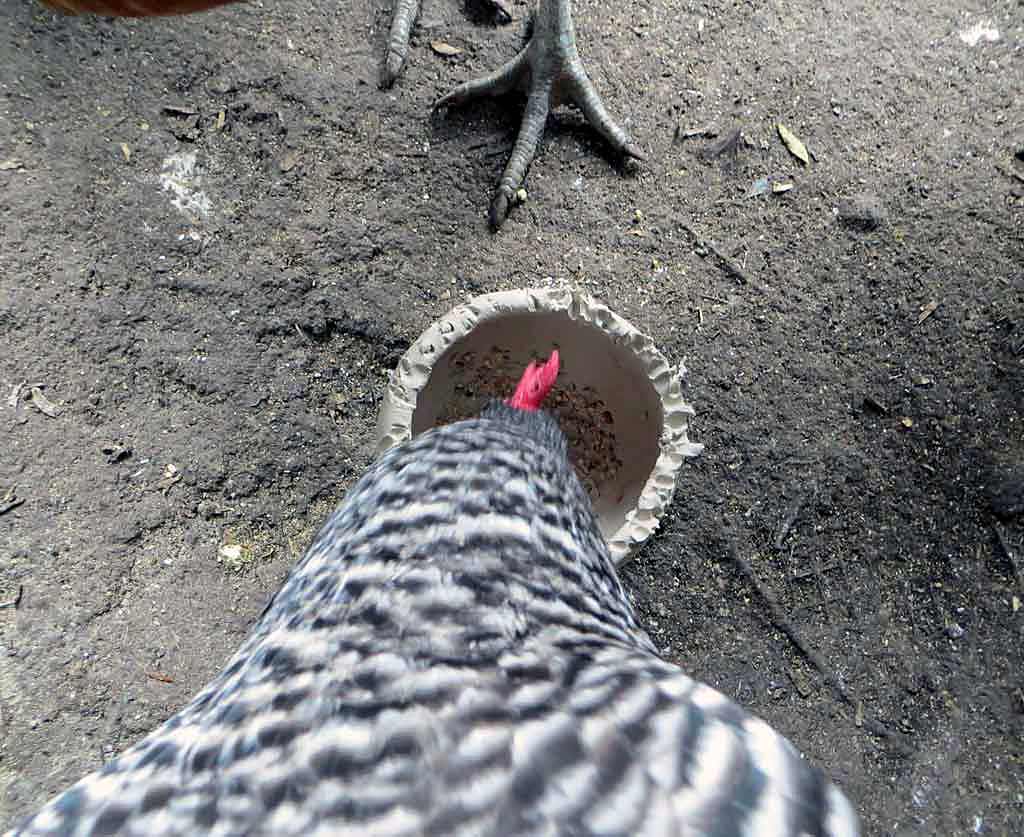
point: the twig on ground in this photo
(11, 504)
(794, 512)
(727, 264)
(783, 624)
(1010, 555)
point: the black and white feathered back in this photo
(455, 655)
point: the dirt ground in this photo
(217, 236)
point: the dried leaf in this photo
(445, 49)
(170, 477)
(127, 152)
(907, 422)
(793, 143)
(927, 311)
(43, 404)
(159, 676)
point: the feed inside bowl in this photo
(618, 397)
(603, 398)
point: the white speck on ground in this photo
(983, 30)
(179, 176)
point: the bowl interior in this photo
(606, 376)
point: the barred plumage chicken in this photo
(548, 69)
(455, 655)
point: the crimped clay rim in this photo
(394, 422)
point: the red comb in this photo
(535, 384)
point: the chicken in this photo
(549, 69)
(455, 655)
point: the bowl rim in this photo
(409, 378)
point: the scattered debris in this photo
(927, 311)
(761, 186)
(234, 555)
(179, 175)
(186, 128)
(764, 185)
(15, 397)
(729, 144)
(786, 524)
(907, 422)
(1007, 495)
(159, 676)
(42, 403)
(1016, 175)
(682, 134)
(16, 600)
(800, 681)
(445, 49)
(10, 501)
(115, 451)
(875, 406)
(14, 164)
(862, 212)
(127, 152)
(1011, 556)
(170, 477)
(954, 631)
(180, 110)
(793, 144)
(288, 161)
